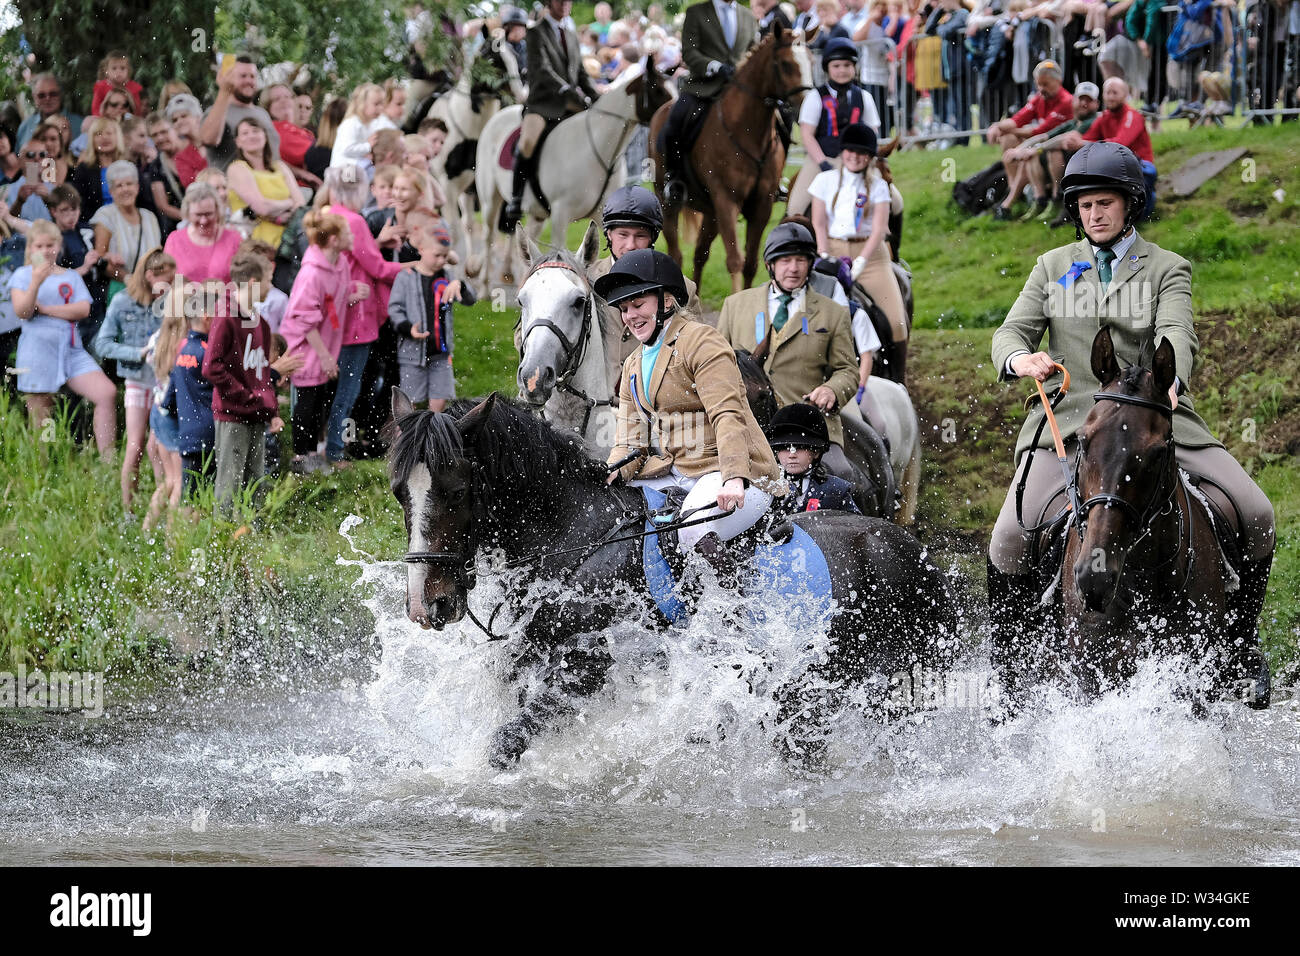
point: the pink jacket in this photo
(367, 266)
(318, 300)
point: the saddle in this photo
(1048, 548)
(506, 160)
(780, 556)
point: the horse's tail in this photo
(690, 224)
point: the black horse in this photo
(499, 478)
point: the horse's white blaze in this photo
(801, 57)
(418, 484)
(548, 294)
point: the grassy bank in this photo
(84, 589)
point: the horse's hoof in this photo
(508, 745)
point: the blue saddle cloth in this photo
(794, 570)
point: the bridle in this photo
(574, 353)
(1161, 502)
(770, 102)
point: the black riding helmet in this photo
(633, 206)
(789, 239)
(514, 16)
(841, 48)
(1104, 166)
(642, 271)
(860, 138)
(799, 426)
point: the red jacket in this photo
(237, 364)
(1125, 126)
(1049, 113)
(102, 88)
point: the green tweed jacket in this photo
(703, 41)
(1149, 298)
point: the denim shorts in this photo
(165, 428)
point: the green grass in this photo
(81, 589)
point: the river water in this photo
(671, 765)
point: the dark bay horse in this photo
(1142, 571)
(498, 478)
(738, 157)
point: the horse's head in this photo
(650, 90)
(432, 475)
(556, 314)
(793, 64)
(1125, 473)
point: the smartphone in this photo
(32, 173)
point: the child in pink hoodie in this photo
(313, 326)
(348, 192)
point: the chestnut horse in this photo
(738, 157)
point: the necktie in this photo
(1104, 258)
(564, 43)
(782, 312)
(729, 24)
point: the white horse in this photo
(904, 433)
(581, 161)
(466, 109)
(562, 370)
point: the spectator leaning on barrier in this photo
(1051, 106)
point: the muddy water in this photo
(672, 765)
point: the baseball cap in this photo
(183, 103)
(1087, 89)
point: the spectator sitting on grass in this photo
(1046, 109)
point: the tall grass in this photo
(86, 588)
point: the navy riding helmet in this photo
(1099, 166)
(799, 426)
(633, 206)
(841, 48)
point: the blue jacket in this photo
(189, 394)
(126, 331)
(829, 493)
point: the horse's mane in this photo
(521, 460)
(767, 43)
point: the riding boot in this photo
(1250, 666)
(1013, 603)
(899, 358)
(514, 210)
(674, 183)
(719, 557)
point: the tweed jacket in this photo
(697, 418)
(796, 362)
(703, 40)
(554, 79)
(1149, 298)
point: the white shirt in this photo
(725, 10)
(352, 135)
(848, 219)
(793, 311)
(810, 110)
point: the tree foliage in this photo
(167, 39)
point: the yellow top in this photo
(273, 186)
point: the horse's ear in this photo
(401, 405)
(589, 251)
(476, 417)
(528, 250)
(1164, 366)
(650, 65)
(810, 33)
(1104, 365)
(777, 30)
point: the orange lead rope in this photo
(1056, 432)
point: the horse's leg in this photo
(725, 212)
(708, 232)
(670, 234)
(754, 226)
(572, 667)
